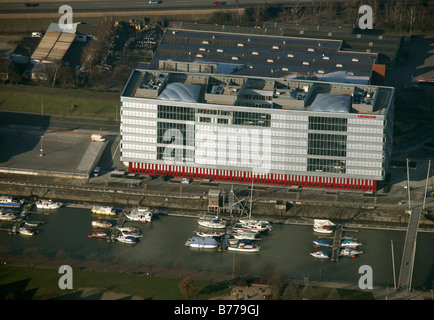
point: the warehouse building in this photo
(259, 55)
(267, 130)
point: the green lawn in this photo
(57, 101)
(24, 283)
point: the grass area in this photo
(293, 292)
(57, 101)
(25, 283)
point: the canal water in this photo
(286, 247)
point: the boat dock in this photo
(16, 224)
(119, 223)
(336, 244)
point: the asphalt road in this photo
(117, 5)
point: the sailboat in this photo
(254, 224)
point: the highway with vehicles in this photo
(110, 5)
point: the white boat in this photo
(130, 229)
(350, 243)
(104, 210)
(323, 226)
(245, 234)
(244, 246)
(214, 223)
(256, 225)
(129, 233)
(320, 254)
(25, 231)
(48, 204)
(126, 239)
(101, 224)
(8, 202)
(141, 214)
(348, 252)
(209, 234)
(201, 242)
(7, 215)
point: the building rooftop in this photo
(54, 44)
(238, 90)
(261, 55)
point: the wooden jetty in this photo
(18, 222)
(336, 244)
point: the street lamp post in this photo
(41, 150)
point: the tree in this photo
(290, 292)
(187, 287)
(334, 295)
(66, 77)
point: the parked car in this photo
(217, 3)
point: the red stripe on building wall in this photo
(246, 177)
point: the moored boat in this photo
(350, 243)
(101, 224)
(202, 242)
(7, 215)
(320, 254)
(214, 223)
(256, 225)
(321, 243)
(130, 233)
(48, 204)
(245, 234)
(348, 252)
(103, 210)
(209, 234)
(323, 226)
(141, 214)
(126, 239)
(244, 246)
(6, 201)
(25, 231)
(99, 234)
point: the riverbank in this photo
(223, 284)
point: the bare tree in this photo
(413, 11)
(187, 287)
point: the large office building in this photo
(266, 130)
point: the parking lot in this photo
(36, 150)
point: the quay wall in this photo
(196, 204)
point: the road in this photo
(117, 5)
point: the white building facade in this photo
(274, 132)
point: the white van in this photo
(97, 137)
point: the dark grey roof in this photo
(269, 56)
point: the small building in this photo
(25, 49)
(213, 200)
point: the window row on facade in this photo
(327, 123)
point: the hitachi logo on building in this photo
(365, 116)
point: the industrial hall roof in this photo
(54, 44)
(260, 55)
